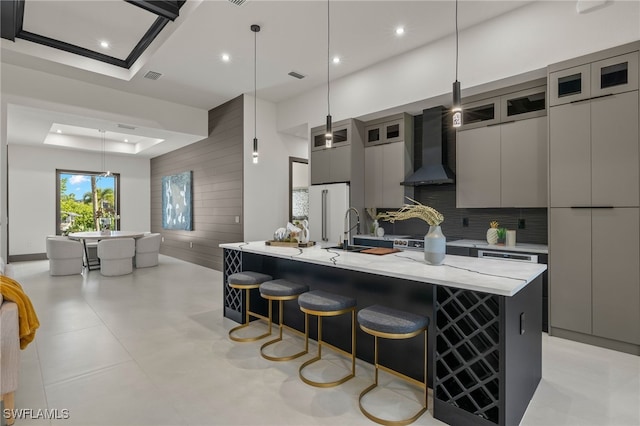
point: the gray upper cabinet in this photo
(481, 113)
(599, 78)
(383, 173)
(395, 128)
(615, 174)
(614, 75)
(388, 160)
(593, 152)
(330, 165)
(478, 167)
(570, 85)
(524, 104)
(523, 163)
(501, 151)
(570, 155)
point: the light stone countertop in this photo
(501, 277)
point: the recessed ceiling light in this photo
(226, 57)
(126, 140)
(399, 31)
(104, 44)
(336, 59)
(58, 131)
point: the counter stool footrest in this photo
(382, 421)
(280, 358)
(322, 384)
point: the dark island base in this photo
(484, 350)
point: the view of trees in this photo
(85, 212)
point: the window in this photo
(86, 201)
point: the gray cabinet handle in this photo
(591, 207)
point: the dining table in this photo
(94, 262)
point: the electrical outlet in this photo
(190, 244)
(163, 239)
(521, 224)
(465, 222)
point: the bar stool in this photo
(247, 281)
(324, 304)
(282, 290)
(388, 323)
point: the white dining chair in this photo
(116, 256)
(147, 250)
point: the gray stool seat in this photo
(322, 301)
(282, 288)
(248, 278)
(392, 321)
(247, 281)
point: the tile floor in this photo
(151, 348)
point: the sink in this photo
(352, 248)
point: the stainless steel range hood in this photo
(434, 171)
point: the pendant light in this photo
(456, 108)
(105, 172)
(256, 30)
(328, 134)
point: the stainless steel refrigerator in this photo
(327, 207)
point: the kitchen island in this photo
(484, 336)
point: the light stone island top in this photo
(501, 277)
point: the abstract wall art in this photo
(176, 202)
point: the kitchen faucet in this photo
(348, 228)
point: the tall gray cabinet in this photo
(594, 199)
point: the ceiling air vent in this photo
(125, 126)
(237, 2)
(152, 75)
(296, 75)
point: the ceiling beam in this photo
(72, 48)
(169, 9)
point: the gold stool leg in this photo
(375, 384)
(279, 338)
(319, 357)
(246, 324)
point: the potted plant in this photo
(502, 236)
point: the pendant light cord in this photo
(456, 40)
(255, 83)
(328, 57)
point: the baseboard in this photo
(602, 342)
(27, 257)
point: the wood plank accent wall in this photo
(217, 180)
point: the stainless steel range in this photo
(414, 242)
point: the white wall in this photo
(38, 89)
(519, 42)
(32, 192)
(266, 184)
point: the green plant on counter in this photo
(502, 234)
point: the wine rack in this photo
(467, 354)
(232, 296)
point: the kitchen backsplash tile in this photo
(443, 199)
